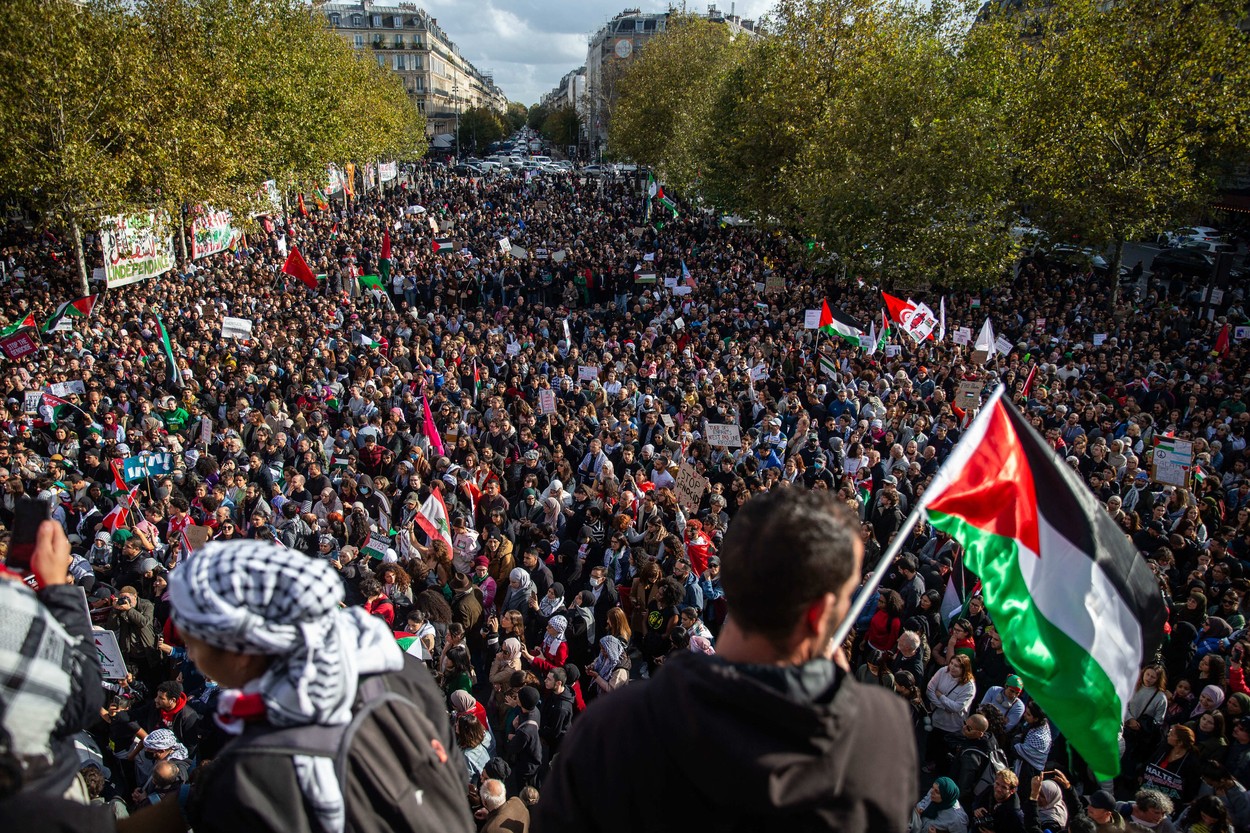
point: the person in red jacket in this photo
(554, 652)
(887, 622)
(698, 547)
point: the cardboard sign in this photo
(31, 401)
(547, 401)
(962, 335)
(968, 396)
(689, 488)
(64, 389)
(979, 356)
(240, 328)
(1172, 461)
(109, 654)
(585, 373)
(197, 536)
(774, 284)
(727, 436)
(811, 319)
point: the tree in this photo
(536, 116)
(1125, 111)
(515, 116)
(562, 126)
(479, 128)
(69, 111)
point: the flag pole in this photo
(896, 546)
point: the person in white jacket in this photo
(950, 692)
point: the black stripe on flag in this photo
(842, 318)
(1071, 509)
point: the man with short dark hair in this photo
(771, 731)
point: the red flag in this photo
(302, 210)
(897, 306)
(386, 244)
(1028, 381)
(116, 518)
(1221, 342)
(297, 268)
(826, 316)
(119, 482)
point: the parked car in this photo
(1081, 256)
(1169, 239)
(597, 170)
(1185, 262)
(1209, 246)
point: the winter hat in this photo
(1102, 800)
(529, 698)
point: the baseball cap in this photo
(1013, 681)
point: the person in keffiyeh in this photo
(266, 623)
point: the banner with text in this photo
(211, 232)
(136, 247)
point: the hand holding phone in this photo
(39, 550)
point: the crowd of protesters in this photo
(572, 567)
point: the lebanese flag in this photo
(296, 267)
(899, 309)
(433, 517)
(1078, 609)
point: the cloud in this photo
(530, 44)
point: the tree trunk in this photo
(182, 238)
(1116, 259)
(80, 256)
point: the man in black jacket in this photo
(525, 752)
(771, 732)
(557, 711)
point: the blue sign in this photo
(147, 465)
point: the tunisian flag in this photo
(297, 268)
(1078, 609)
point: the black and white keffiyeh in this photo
(258, 598)
(36, 669)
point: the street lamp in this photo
(455, 102)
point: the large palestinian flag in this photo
(837, 324)
(1079, 610)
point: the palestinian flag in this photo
(1078, 609)
(477, 381)
(365, 341)
(78, 308)
(173, 373)
(835, 322)
(28, 321)
(828, 366)
(384, 263)
(320, 199)
(433, 517)
(371, 281)
(442, 244)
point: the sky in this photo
(530, 44)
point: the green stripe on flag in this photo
(1070, 686)
(371, 280)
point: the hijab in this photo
(949, 793)
(549, 606)
(613, 647)
(1216, 695)
(551, 511)
(551, 644)
(1051, 811)
(518, 597)
(511, 648)
(463, 702)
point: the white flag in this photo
(985, 339)
(942, 320)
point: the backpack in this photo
(995, 763)
(394, 770)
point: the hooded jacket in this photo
(707, 744)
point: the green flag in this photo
(374, 281)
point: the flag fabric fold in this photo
(1079, 610)
(985, 338)
(173, 373)
(77, 308)
(837, 324)
(384, 262)
(297, 267)
(432, 517)
(430, 429)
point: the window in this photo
(376, 21)
(418, 83)
(399, 41)
(398, 63)
(381, 60)
(335, 20)
(421, 107)
(416, 61)
(357, 21)
(649, 26)
(360, 41)
(397, 21)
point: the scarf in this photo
(548, 606)
(162, 739)
(1216, 695)
(551, 644)
(609, 657)
(37, 659)
(949, 798)
(249, 597)
(518, 597)
(168, 715)
(1052, 812)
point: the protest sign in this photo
(689, 488)
(1002, 345)
(31, 401)
(64, 389)
(376, 547)
(774, 283)
(387, 171)
(760, 371)
(546, 401)
(236, 327)
(1172, 461)
(727, 436)
(962, 335)
(22, 343)
(148, 464)
(1100, 339)
(212, 232)
(969, 394)
(811, 319)
(136, 247)
(109, 653)
(513, 349)
(670, 283)
(585, 373)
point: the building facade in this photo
(616, 44)
(404, 39)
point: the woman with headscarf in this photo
(1052, 811)
(554, 651)
(504, 664)
(940, 809)
(1211, 698)
(553, 515)
(462, 702)
(268, 625)
(551, 603)
(520, 590)
(610, 670)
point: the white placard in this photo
(546, 401)
(728, 436)
(109, 654)
(64, 389)
(649, 257)
(31, 401)
(559, 255)
(892, 350)
(1100, 339)
(679, 323)
(670, 283)
(1171, 462)
(519, 253)
(505, 245)
(585, 373)
(1002, 345)
(240, 328)
(811, 319)
(962, 335)
(136, 247)
(513, 349)
(865, 342)
(1241, 332)
(760, 371)
(682, 290)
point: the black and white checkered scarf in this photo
(259, 598)
(36, 668)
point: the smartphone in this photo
(27, 516)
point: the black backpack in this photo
(394, 768)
